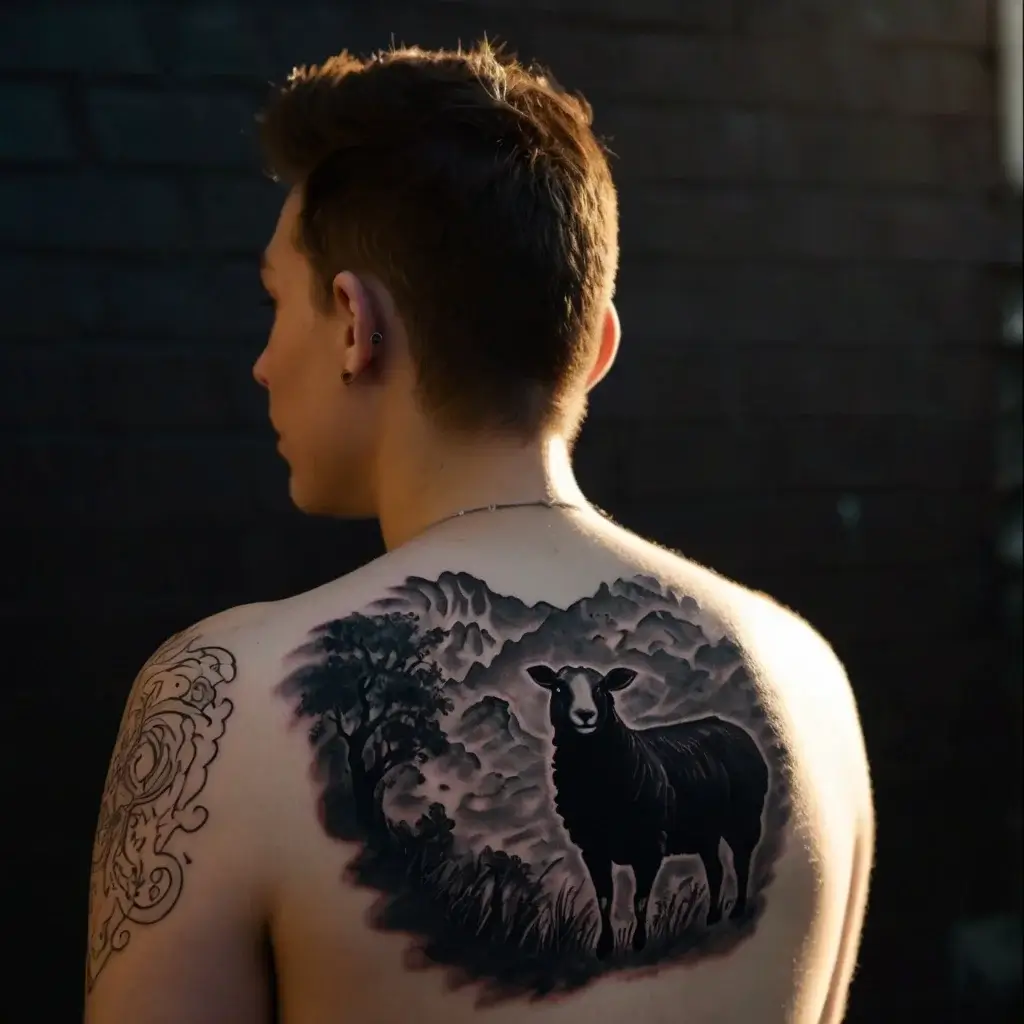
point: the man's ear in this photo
(611, 335)
(359, 322)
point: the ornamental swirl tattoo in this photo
(173, 721)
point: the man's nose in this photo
(258, 373)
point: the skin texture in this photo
(175, 717)
(384, 796)
(535, 789)
(491, 811)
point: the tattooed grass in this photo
(446, 687)
(476, 908)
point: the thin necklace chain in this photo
(505, 505)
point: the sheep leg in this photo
(741, 861)
(600, 869)
(743, 842)
(645, 873)
(713, 870)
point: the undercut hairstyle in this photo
(473, 187)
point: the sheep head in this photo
(581, 698)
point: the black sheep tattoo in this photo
(482, 830)
(636, 796)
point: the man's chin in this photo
(307, 500)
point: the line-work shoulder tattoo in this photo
(544, 795)
(173, 721)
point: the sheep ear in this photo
(543, 675)
(619, 679)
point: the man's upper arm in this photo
(175, 906)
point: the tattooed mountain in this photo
(434, 751)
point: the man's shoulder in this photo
(236, 620)
(771, 622)
(812, 675)
(214, 672)
(264, 641)
(185, 763)
(759, 622)
(230, 639)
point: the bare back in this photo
(573, 777)
(568, 780)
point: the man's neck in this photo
(435, 479)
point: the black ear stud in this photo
(346, 377)
(376, 338)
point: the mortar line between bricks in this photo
(980, 493)
(242, 437)
(1006, 271)
(147, 82)
(117, 170)
(173, 173)
(248, 346)
(157, 258)
(252, 436)
(852, 186)
(715, 498)
(135, 343)
(141, 343)
(209, 258)
(801, 113)
(897, 191)
(202, 86)
(639, 25)
(261, 436)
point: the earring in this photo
(346, 377)
(376, 338)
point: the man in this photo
(527, 766)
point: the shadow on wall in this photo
(987, 954)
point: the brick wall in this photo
(813, 251)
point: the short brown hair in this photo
(475, 189)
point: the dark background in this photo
(813, 395)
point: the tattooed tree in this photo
(368, 684)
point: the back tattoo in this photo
(544, 795)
